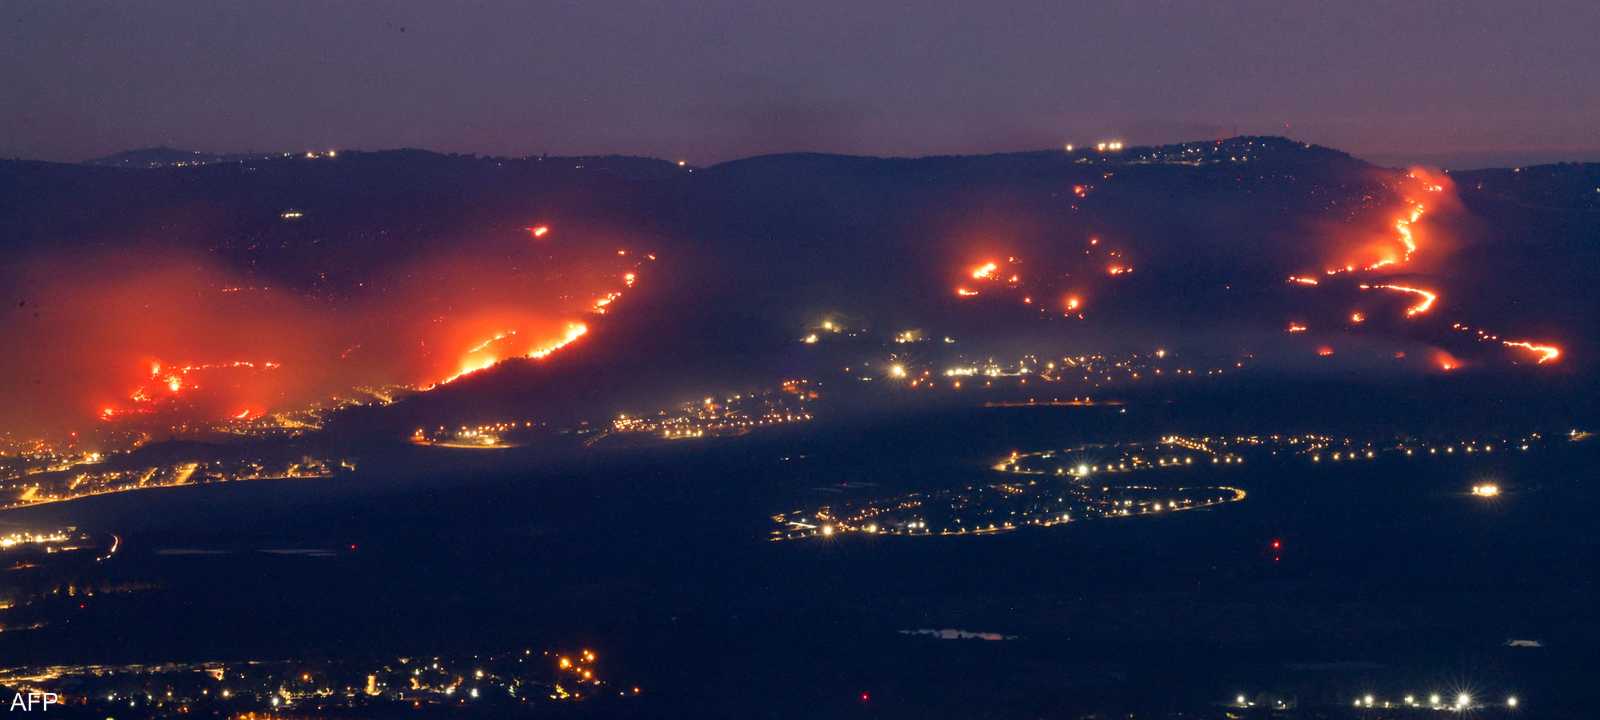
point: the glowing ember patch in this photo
(1296, 328)
(1324, 351)
(1302, 280)
(539, 231)
(984, 271)
(963, 292)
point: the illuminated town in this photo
(511, 682)
(116, 474)
(1056, 487)
(844, 360)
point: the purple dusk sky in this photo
(1458, 82)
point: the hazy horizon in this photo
(1466, 85)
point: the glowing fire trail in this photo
(1422, 306)
(573, 332)
(497, 337)
(1547, 353)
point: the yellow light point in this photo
(810, 339)
(827, 531)
(564, 663)
(897, 371)
(628, 278)
(1487, 490)
(1358, 318)
(1073, 303)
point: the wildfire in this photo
(1422, 306)
(175, 380)
(1302, 280)
(1547, 353)
(1296, 328)
(601, 302)
(985, 271)
(471, 365)
(963, 292)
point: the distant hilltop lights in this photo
(1102, 146)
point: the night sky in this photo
(1454, 83)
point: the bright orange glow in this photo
(963, 292)
(1296, 328)
(1302, 280)
(539, 231)
(1547, 353)
(601, 302)
(1422, 306)
(984, 271)
(1324, 351)
(175, 381)
(1118, 270)
(1073, 303)
(1357, 318)
(628, 278)
(472, 364)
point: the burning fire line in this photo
(1422, 306)
(1547, 353)
(470, 365)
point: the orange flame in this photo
(1422, 306)
(1547, 353)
